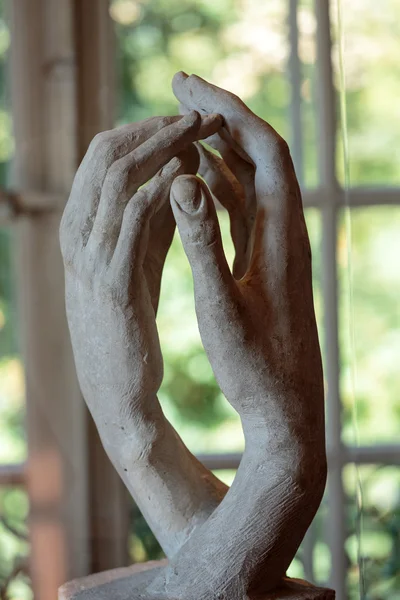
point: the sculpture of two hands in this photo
(257, 326)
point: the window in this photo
(324, 74)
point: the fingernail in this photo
(188, 196)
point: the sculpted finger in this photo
(251, 137)
(132, 244)
(281, 256)
(159, 149)
(105, 148)
(216, 292)
(228, 191)
(162, 227)
(127, 174)
(242, 170)
(279, 215)
(243, 129)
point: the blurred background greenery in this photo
(242, 45)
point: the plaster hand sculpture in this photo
(257, 325)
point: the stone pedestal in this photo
(130, 583)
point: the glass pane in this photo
(12, 435)
(306, 23)
(374, 324)
(14, 548)
(12, 393)
(372, 72)
(375, 543)
(241, 46)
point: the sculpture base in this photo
(130, 583)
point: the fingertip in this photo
(186, 192)
(181, 75)
(178, 80)
(175, 165)
(192, 119)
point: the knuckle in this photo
(69, 255)
(64, 235)
(118, 176)
(116, 171)
(283, 146)
(103, 146)
(98, 140)
(279, 147)
(234, 98)
(139, 208)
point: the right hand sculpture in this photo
(260, 336)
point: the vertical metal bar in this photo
(326, 152)
(294, 72)
(326, 102)
(296, 147)
(307, 558)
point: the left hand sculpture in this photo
(257, 326)
(114, 239)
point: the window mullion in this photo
(326, 135)
(294, 71)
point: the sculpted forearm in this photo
(258, 526)
(143, 451)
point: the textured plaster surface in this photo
(257, 326)
(119, 583)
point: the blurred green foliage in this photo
(14, 547)
(241, 45)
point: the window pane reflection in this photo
(374, 321)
